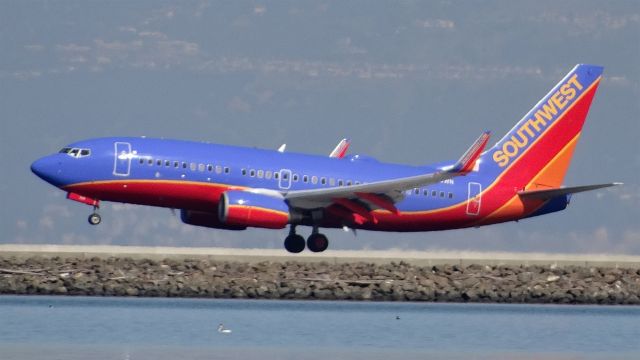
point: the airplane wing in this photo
(383, 194)
(341, 149)
(546, 194)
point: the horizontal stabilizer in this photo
(551, 193)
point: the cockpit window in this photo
(75, 152)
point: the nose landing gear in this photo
(94, 219)
(295, 243)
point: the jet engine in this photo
(243, 208)
(206, 219)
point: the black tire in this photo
(294, 243)
(94, 219)
(317, 243)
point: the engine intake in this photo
(242, 208)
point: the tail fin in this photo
(536, 153)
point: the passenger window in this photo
(305, 178)
(193, 166)
(252, 173)
(244, 172)
(332, 182)
(167, 163)
(441, 194)
(267, 174)
(150, 161)
(314, 179)
(340, 183)
(425, 192)
(227, 170)
(218, 169)
(141, 161)
(416, 191)
(276, 175)
(323, 181)
(260, 174)
(295, 177)
(176, 164)
(348, 182)
(357, 182)
(210, 168)
(450, 195)
(200, 167)
(184, 165)
(434, 193)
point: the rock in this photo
(131, 291)
(525, 277)
(553, 278)
(122, 276)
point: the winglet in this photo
(340, 149)
(468, 160)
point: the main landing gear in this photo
(94, 219)
(295, 243)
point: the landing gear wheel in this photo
(294, 243)
(94, 219)
(317, 242)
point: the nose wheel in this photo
(94, 219)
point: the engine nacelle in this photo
(243, 208)
(206, 219)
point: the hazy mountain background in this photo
(410, 82)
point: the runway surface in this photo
(418, 258)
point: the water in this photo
(138, 328)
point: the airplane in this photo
(233, 187)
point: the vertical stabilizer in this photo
(536, 152)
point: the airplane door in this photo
(284, 180)
(474, 199)
(122, 161)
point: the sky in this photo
(410, 82)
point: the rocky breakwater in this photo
(121, 276)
